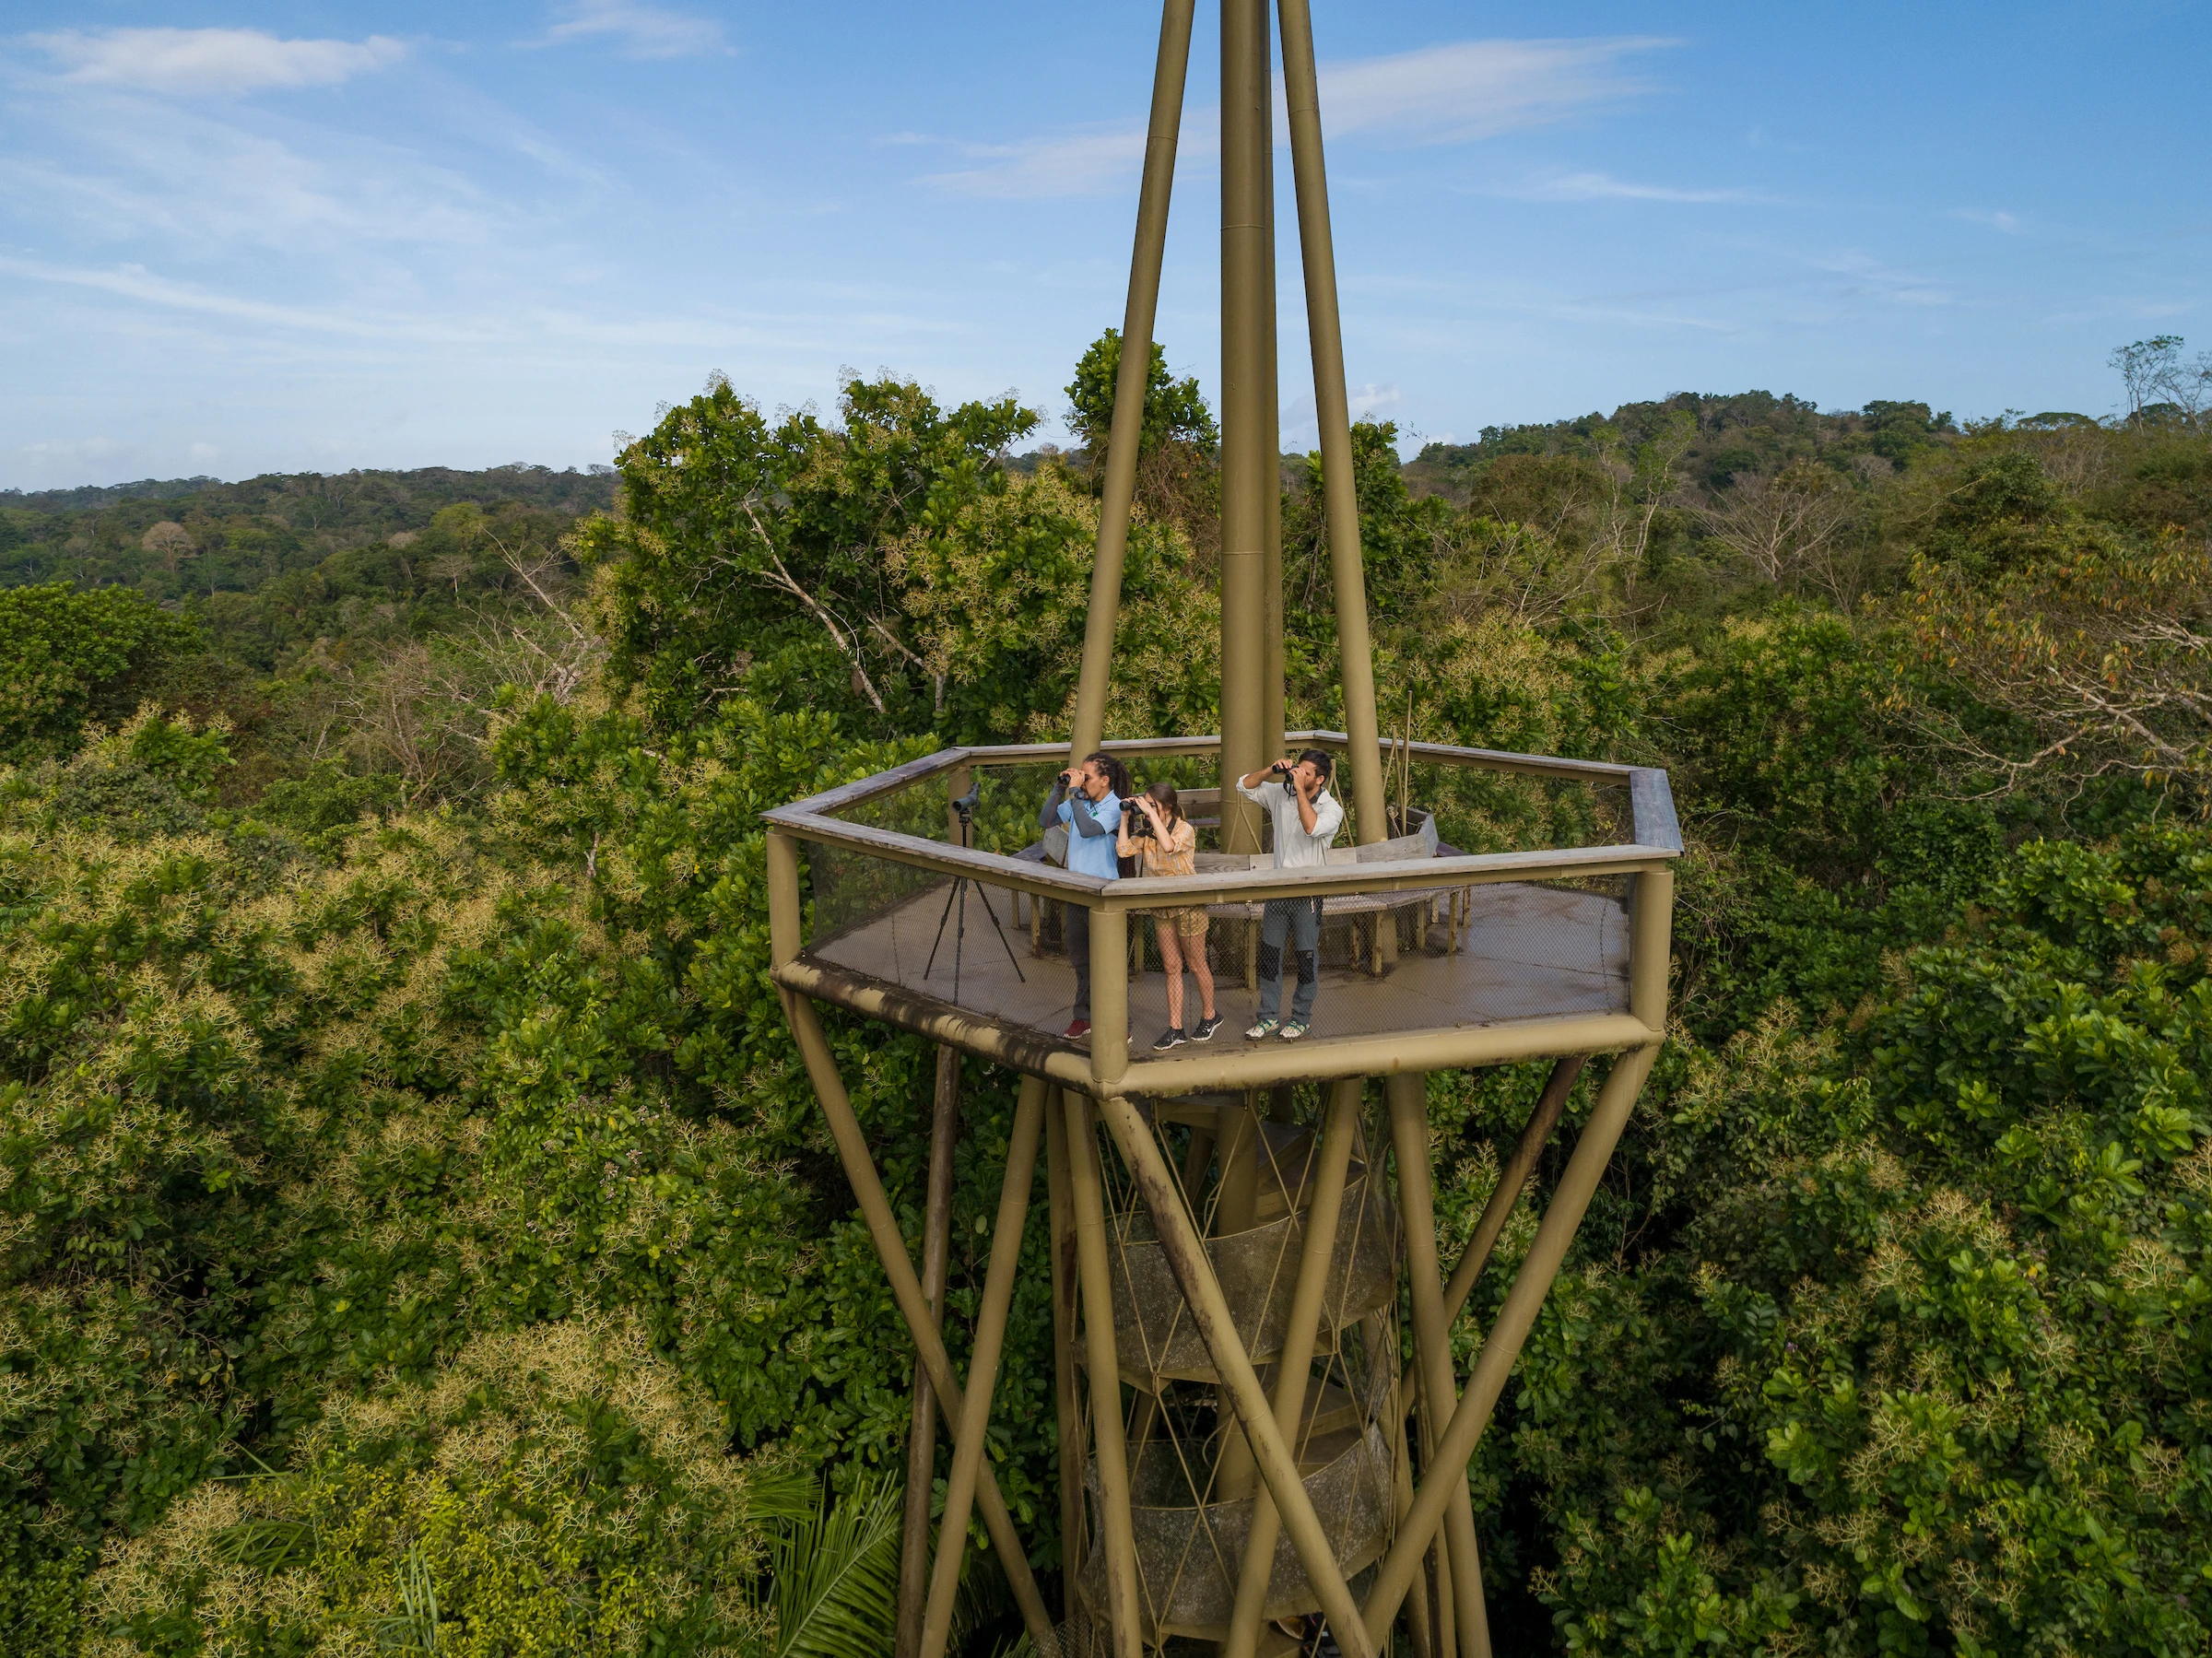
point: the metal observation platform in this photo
(1243, 1237)
(1432, 956)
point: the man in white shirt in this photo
(1307, 816)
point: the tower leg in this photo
(1168, 76)
(1409, 1096)
(1332, 411)
(1555, 1232)
(1272, 697)
(1068, 1411)
(982, 1369)
(1193, 1275)
(1339, 1132)
(1237, 1138)
(1247, 350)
(1119, 1541)
(922, 1429)
(906, 1288)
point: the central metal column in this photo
(1247, 361)
(1273, 697)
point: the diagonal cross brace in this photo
(1408, 1099)
(969, 1442)
(1322, 1214)
(1193, 1275)
(890, 1247)
(1555, 1232)
(1535, 1136)
(1433, 1322)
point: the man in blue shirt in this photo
(1088, 799)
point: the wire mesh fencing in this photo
(1248, 1183)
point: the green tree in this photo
(67, 656)
(1175, 410)
(559, 1489)
(761, 558)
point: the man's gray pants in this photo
(1299, 920)
(1076, 920)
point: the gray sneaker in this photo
(1293, 1031)
(1262, 1029)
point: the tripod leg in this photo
(959, 937)
(984, 893)
(957, 884)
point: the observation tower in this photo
(1250, 1439)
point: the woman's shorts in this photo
(1188, 923)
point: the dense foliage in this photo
(67, 656)
(415, 1232)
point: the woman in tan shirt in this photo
(1171, 850)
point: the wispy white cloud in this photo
(1469, 89)
(1993, 219)
(210, 61)
(1600, 186)
(639, 31)
(1453, 93)
(1071, 164)
(525, 319)
(1371, 400)
(132, 167)
(76, 452)
(136, 282)
(1867, 277)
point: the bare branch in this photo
(783, 578)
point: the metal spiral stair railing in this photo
(1249, 1180)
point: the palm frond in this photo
(787, 1496)
(836, 1590)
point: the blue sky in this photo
(257, 238)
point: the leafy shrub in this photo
(1927, 1349)
(555, 1490)
(64, 656)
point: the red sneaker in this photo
(1077, 1031)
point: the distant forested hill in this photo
(1726, 437)
(237, 536)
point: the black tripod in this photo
(964, 808)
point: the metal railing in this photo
(892, 844)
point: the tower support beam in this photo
(914, 1306)
(1455, 1445)
(922, 1425)
(1409, 1097)
(1193, 1276)
(1338, 1133)
(1103, 1363)
(1247, 377)
(969, 1443)
(1133, 376)
(1331, 409)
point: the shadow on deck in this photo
(1506, 951)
